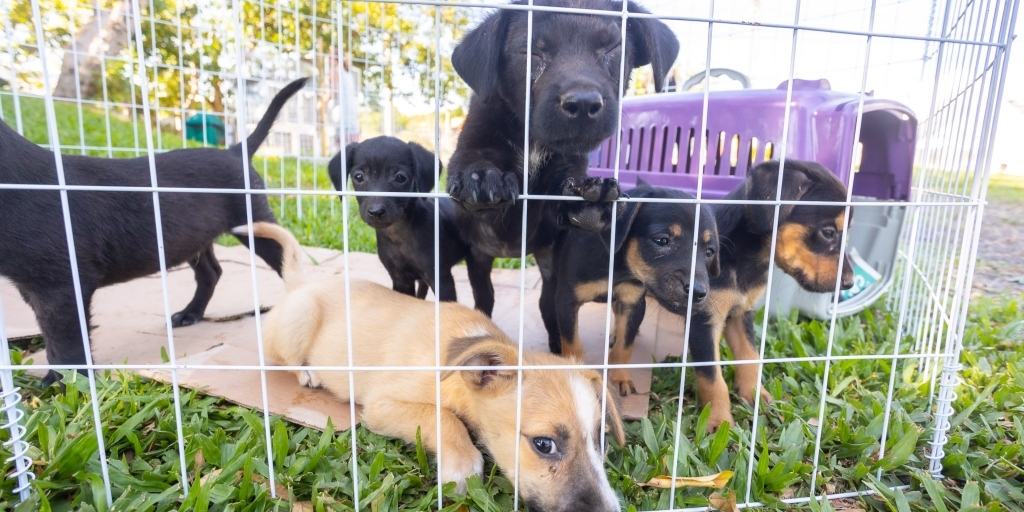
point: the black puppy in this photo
(653, 249)
(115, 232)
(405, 225)
(574, 90)
(807, 248)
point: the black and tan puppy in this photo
(405, 225)
(115, 232)
(653, 250)
(574, 93)
(558, 447)
(807, 247)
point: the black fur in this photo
(661, 236)
(115, 232)
(574, 107)
(746, 232)
(405, 225)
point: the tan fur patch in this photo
(676, 230)
(589, 292)
(572, 347)
(641, 270)
(742, 350)
(706, 237)
(628, 293)
(841, 221)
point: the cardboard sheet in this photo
(131, 327)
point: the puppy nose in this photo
(700, 292)
(582, 104)
(375, 212)
(847, 280)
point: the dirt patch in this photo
(1000, 267)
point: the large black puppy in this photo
(115, 232)
(653, 248)
(405, 225)
(574, 91)
(807, 248)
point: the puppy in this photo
(574, 91)
(560, 457)
(807, 248)
(115, 232)
(405, 225)
(653, 248)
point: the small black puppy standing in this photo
(115, 232)
(405, 225)
(807, 247)
(653, 251)
(574, 90)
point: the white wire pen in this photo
(936, 258)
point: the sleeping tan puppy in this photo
(560, 457)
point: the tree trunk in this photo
(105, 35)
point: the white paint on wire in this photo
(158, 221)
(51, 126)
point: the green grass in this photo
(1006, 188)
(226, 452)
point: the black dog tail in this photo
(291, 268)
(258, 135)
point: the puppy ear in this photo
(476, 58)
(424, 159)
(334, 170)
(483, 351)
(652, 43)
(762, 184)
(614, 421)
(626, 213)
(641, 183)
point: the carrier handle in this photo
(731, 73)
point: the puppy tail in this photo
(291, 269)
(258, 135)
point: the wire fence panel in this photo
(899, 100)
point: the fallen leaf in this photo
(813, 422)
(302, 506)
(725, 503)
(212, 475)
(716, 481)
(282, 491)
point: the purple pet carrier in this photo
(660, 132)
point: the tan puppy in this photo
(560, 457)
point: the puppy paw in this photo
(619, 379)
(592, 189)
(482, 186)
(309, 379)
(456, 467)
(185, 317)
(719, 416)
(594, 213)
(747, 395)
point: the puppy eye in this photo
(709, 253)
(545, 445)
(357, 177)
(401, 178)
(660, 241)
(828, 233)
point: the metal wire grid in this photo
(937, 253)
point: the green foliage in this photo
(226, 458)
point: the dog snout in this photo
(848, 279)
(582, 103)
(376, 211)
(698, 290)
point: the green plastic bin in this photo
(206, 128)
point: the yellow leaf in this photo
(725, 503)
(716, 481)
(302, 506)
